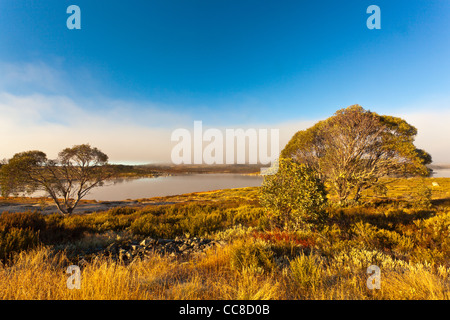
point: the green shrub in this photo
(375, 238)
(22, 220)
(156, 226)
(251, 254)
(294, 197)
(422, 196)
(357, 260)
(432, 238)
(177, 220)
(60, 229)
(380, 190)
(14, 240)
(245, 214)
(306, 271)
(121, 211)
(234, 232)
(201, 224)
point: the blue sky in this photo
(157, 65)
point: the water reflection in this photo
(122, 189)
(129, 188)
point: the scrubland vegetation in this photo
(311, 231)
(404, 229)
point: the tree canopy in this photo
(355, 147)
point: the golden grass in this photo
(335, 270)
(39, 274)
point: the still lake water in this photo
(441, 173)
(172, 185)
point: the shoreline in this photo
(46, 205)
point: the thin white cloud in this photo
(33, 76)
(51, 123)
(141, 131)
(127, 131)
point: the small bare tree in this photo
(66, 180)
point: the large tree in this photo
(355, 147)
(66, 180)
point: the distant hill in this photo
(171, 169)
(439, 166)
(203, 168)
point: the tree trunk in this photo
(342, 195)
(357, 194)
(58, 205)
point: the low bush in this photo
(22, 220)
(374, 238)
(121, 211)
(245, 214)
(19, 231)
(294, 198)
(156, 226)
(14, 240)
(194, 219)
(306, 271)
(284, 244)
(252, 254)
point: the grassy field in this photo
(403, 229)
